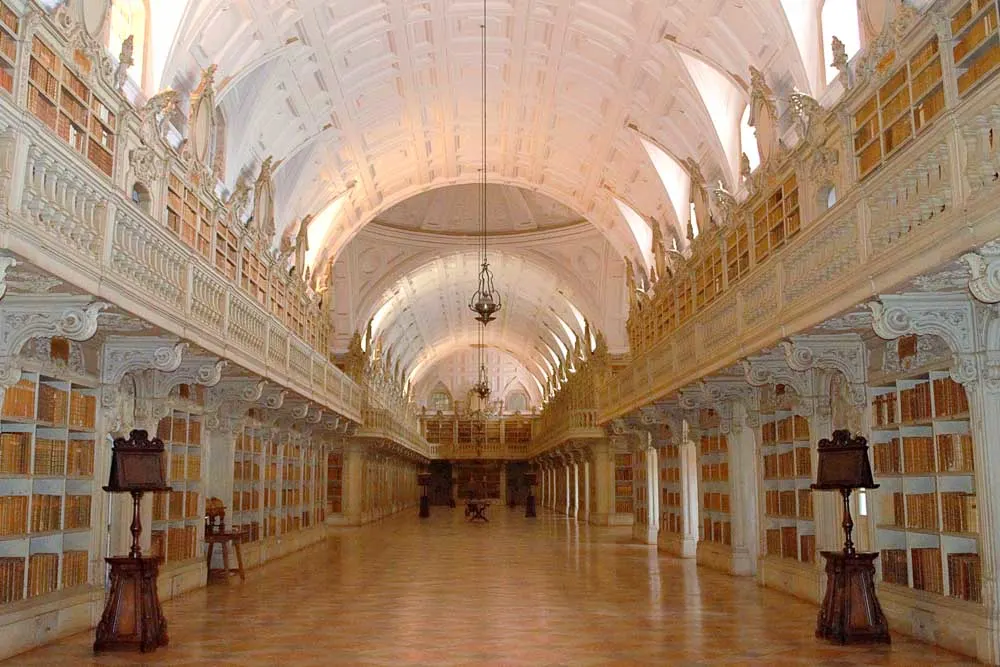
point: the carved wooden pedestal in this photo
(529, 508)
(132, 616)
(850, 613)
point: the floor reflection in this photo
(514, 591)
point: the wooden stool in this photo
(216, 533)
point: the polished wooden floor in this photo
(511, 592)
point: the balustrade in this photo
(914, 184)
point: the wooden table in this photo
(224, 539)
(475, 510)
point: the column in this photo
(576, 490)
(743, 475)
(586, 490)
(503, 482)
(689, 495)
(603, 469)
(354, 462)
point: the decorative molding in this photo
(242, 392)
(24, 317)
(984, 264)
(955, 317)
(773, 369)
(844, 353)
(6, 263)
(206, 371)
(121, 355)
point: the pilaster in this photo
(603, 468)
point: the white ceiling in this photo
(545, 279)
(386, 95)
(455, 210)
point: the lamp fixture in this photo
(485, 301)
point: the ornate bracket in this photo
(121, 355)
(844, 353)
(720, 394)
(42, 316)
(954, 317)
(234, 392)
(205, 371)
(984, 264)
(6, 263)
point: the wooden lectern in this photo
(424, 480)
(132, 615)
(850, 613)
(529, 509)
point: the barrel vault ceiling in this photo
(372, 109)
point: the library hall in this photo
(499, 332)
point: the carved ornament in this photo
(23, 317)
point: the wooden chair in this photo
(216, 533)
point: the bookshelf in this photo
(713, 461)
(901, 108)
(624, 483)
(58, 97)
(976, 47)
(277, 485)
(247, 483)
(641, 489)
(178, 514)
(188, 217)
(671, 507)
(776, 219)
(272, 482)
(789, 529)
(334, 482)
(9, 27)
(47, 449)
(926, 515)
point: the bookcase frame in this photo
(912, 474)
(715, 523)
(624, 483)
(53, 539)
(59, 96)
(671, 501)
(904, 105)
(10, 26)
(975, 30)
(178, 515)
(786, 473)
(335, 482)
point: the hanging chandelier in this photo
(485, 301)
(482, 386)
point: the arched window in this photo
(141, 197)
(748, 140)
(517, 401)
(839, 19)
(130, 17)
(440, 401)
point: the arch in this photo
(140, 197)
(131, 18)
(723, 103)
(748, 140)
(440, 399)
(516, 399)
(353, 218)
(802, 17)
(838, 19)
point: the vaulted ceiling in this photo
(366, 104)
